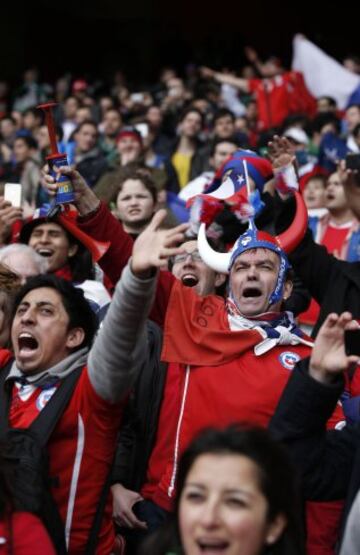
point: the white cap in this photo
(297, 134)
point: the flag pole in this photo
(247, 179)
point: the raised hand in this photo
(85, 199)
(77, 181)
(328, 358)
(281, 152)
(154, 246)
(8, 215)
(251, 54)
(206, 72)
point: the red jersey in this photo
(197, 397)
(81, 451)
(335, 237)
(281, 96)
(28, 536)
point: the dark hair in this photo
(35, 112)
(190, 110)
(81, 265)
(222, 113)
(356, 130)
(139, 175)
(8, 117)
(86, 122)
(353, 105)
(73, 97)
(113, 109)
(330, 100)
(215, 142)
(320, 120)
(276, 482)
(77, 307)
(28, 140)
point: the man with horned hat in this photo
(228, 360)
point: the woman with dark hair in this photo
(21, 533)
(236, 496)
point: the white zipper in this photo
(177, 439)
(75, 478)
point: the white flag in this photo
(323, 75)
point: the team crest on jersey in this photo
(288, 359)
(44, 397)
(245, 240)
(25, 391)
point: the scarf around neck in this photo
(53, 374)
(209, 331)
(276, 328)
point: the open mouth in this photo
(189, 280)
(45, 252)
(27, 343)
(251, 292)
(212, 546)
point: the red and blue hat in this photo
(259, 169)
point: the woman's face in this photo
(134, 203)
(222, 509)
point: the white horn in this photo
(218, 261)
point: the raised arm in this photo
(96, 220)
(121, 346)
(226, 79)
(254, 59)
(325, 459)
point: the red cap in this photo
(129, 132)
(79, 85)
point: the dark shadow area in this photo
(93, 39)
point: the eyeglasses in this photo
(179, 258)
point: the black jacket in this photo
(334, 284)
(328, 461)
(138, 431)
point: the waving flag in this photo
(259, 169)
(324, 76)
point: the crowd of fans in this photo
(197, 291)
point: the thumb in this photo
(67, 170)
